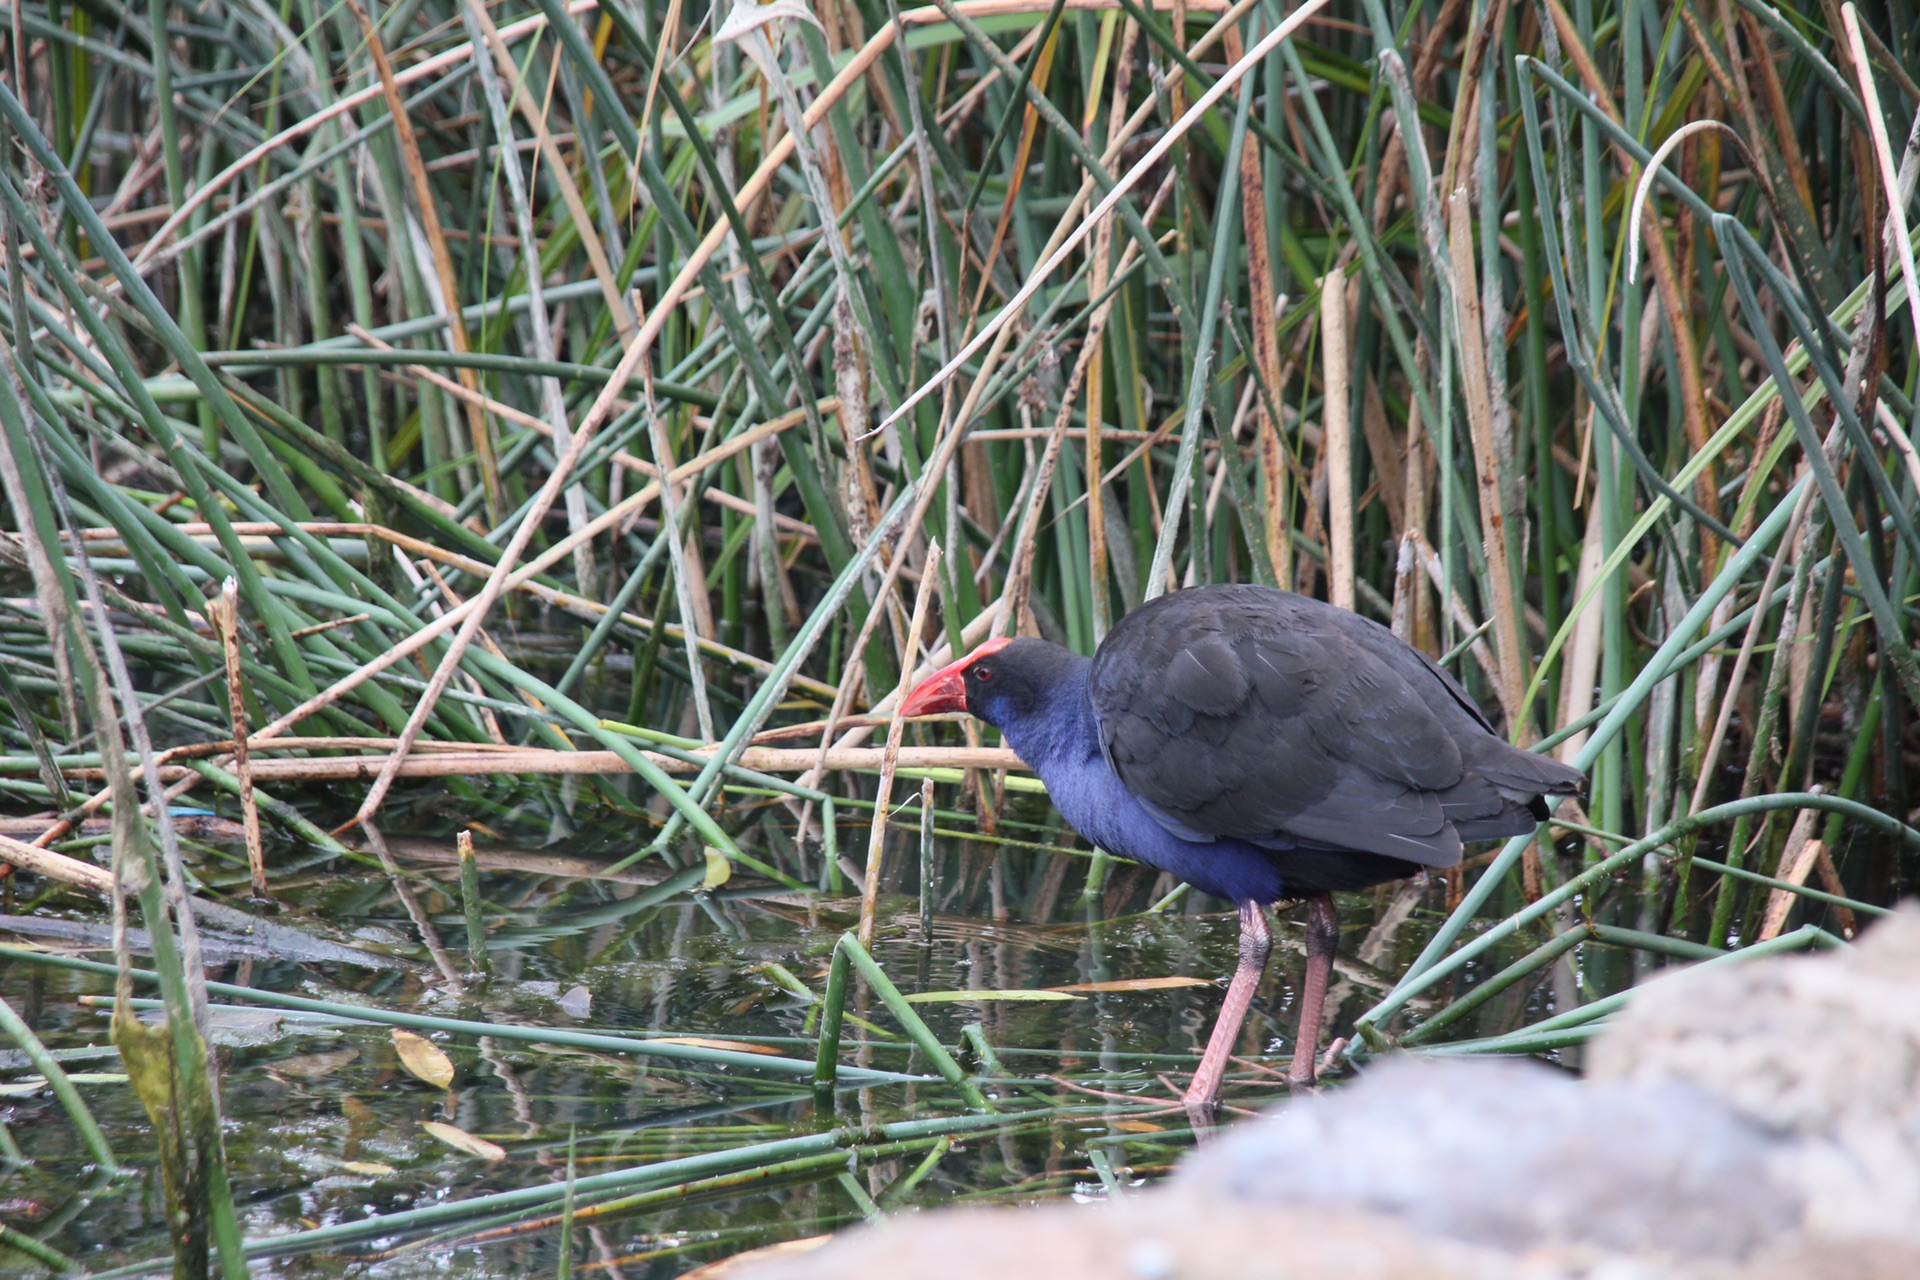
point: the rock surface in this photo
(1753, 1121)
(1825, 1049)
(1515, 1155)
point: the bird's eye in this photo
(983, 673)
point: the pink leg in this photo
(1323, 936)
(1256, 944)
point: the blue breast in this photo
(1061, 742)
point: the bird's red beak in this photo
(946, 689)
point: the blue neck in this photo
(1059, 736)
(1060, 740)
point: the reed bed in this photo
(454, 398)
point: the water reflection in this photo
(325, 1126)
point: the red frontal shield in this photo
(946, 689)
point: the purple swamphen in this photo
(1262, 746)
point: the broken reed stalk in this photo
(225, 611)
(1336, 446)
(479, 957)
(928, 857)
(833, 1008)
(55, 866)
(1487, 462)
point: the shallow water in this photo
(325, 1127)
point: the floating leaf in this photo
(423, 1059)
(460, 1140)
(1139, 1126)
(719, 869)
(954, 997)
(367, 1168)
(703, 1042)
(1137, 984)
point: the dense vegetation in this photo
(1599, 384)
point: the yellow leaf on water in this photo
(1139, 1126)
(947, 997)
(703, 1042)
(367, 1168)
(460, 1140)
(719, 870)
(423, 1059)
(1137, 984)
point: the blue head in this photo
(1032, 691)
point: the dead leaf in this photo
(1139, 1126)
(423, 1059)
(460, 1140)
(719, 869)
(702, 1042)
(1137, 984)
(367, 1168)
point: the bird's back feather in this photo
(1248, 713)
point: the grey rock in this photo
(1516, 1155)
(1825, 1048)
